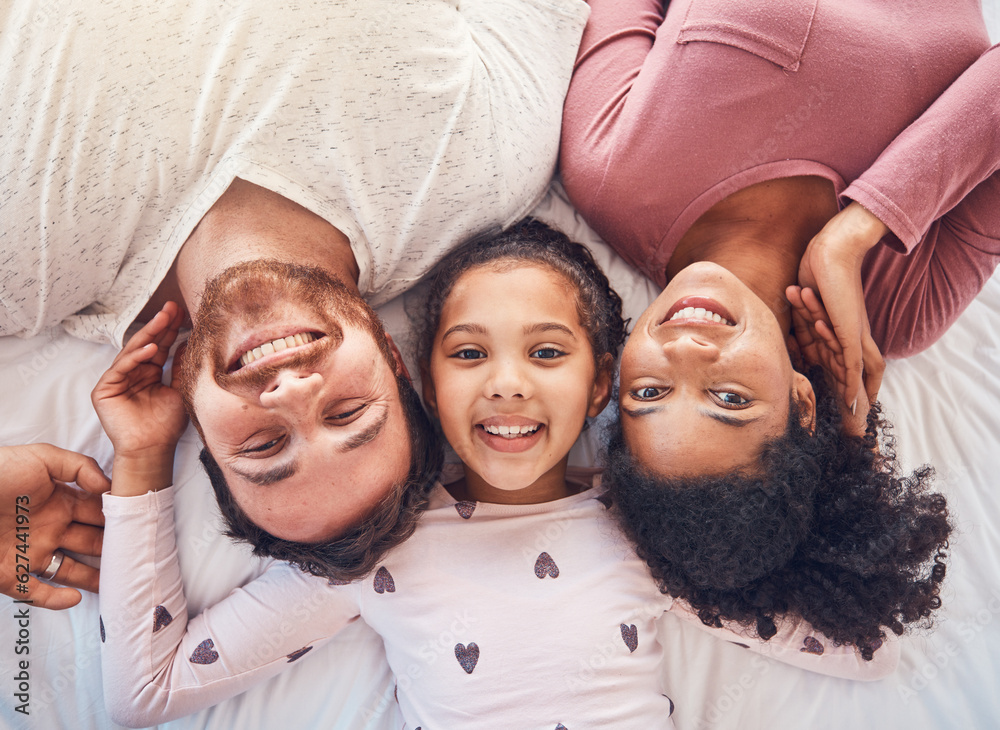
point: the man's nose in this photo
(507, 380)
(691, 348)
(293, 390)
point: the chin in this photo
(507, 480)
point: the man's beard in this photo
(252, 292)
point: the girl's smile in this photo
(512, 384)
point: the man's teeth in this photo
(511, 431)
(277, 345)
(700, 313)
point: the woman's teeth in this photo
(700, 313)
(511, 431)
(282, 343)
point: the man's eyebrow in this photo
(269, 477)
(531, 329)
(369, 434)
(468, 328)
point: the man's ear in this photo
(429, 393)
(805, 399)
(400, 365)
(601, 392)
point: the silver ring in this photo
(50, 572)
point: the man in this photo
(149, 149)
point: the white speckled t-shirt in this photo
(408, 125)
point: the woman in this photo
(713, 144)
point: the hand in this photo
(817, 344)
(831, 266)
(139, 413)
(40, 513)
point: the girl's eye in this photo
(547, 353)
(647, 393)
(469, 354)
(729, 399)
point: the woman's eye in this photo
(730, 399)
(469, 354)
(547, 353)
(647, 393)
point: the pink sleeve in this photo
(616, 41)
(937, 187)
(157, 664)
(798, 644)
(939, 159)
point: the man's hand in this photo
(831, 266)
(817, 344)
(39, 513)
(143, 417)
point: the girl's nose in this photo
(507, 381)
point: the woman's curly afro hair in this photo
(825, 529)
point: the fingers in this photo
(74, 574)
(44, 595)
(161, 331)
(150, 345)
(166, 338)
(874, 368)
(68, 466)
(85, 509)
(81, 539)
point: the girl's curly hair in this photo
(826, 529)
(529, 242)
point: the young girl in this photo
(516, 602)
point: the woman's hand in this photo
(143, 417)
(817, 344)
(39, 514)
(831, 266)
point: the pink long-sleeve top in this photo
(489, 614)
(669, 111)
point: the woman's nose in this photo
(293, 390)
(691, 348)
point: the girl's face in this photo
(512, 378)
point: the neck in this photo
(549, 487)
(759, 234)
(249, 222)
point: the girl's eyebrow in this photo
(531, 329)
(471, 329)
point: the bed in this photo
(945, 404)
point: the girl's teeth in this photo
(700, 313)
(510, 431)
(282, 343)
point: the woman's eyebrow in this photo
(734, 421)
(729, 420)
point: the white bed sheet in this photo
(945, 403)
